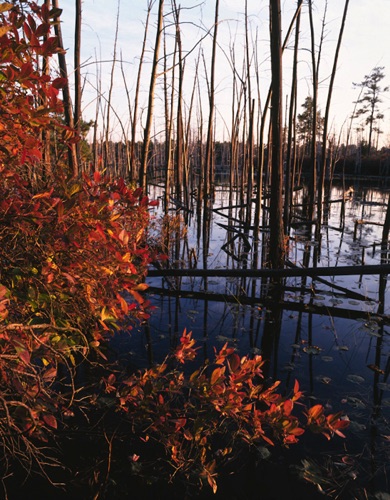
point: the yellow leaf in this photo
(104, 314)
(139, 235)
(126, 257)
(4, 29)
(141, 287)
(5, 6)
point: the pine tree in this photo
(370, 100)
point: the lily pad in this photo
(355, 379)
(355, 402)
(335, 302)
(342, 348)
(356, 426)
(312, 349)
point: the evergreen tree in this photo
(370, 100)
(305, 123)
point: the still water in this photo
(331, 334)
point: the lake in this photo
(330, 333)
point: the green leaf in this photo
(53, 13)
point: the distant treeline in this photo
(350, 161)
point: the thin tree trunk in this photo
(133, 161)
(209, 177)
(326, 117)
(77, 76)
(251, 105)
(107, 136)
(277, 249)
(180, 174)
(149, 118)
(289, 185)
(168, 126)
(45, 133)
(313, 149)
(95, 142)
(68, 112)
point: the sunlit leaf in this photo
(4, 29)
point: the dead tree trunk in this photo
(77, 76)
(209, 177)
(68, 113)
(313, 150)
(149, 118)
(289, 184)
(107, 135)
(326, 117)
(276, 207)
(133, 161)
(181, 187)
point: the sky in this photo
(365, 45)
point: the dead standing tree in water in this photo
(208, 185)
(326, 122)
(291, 138)
(149, 118)
(277, 244)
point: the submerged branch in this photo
(258, 273)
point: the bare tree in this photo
(277, 247)
(77, 75)
(326, 117)
(152, 86)
(68, 112)
(313, 152)
(107, 135)
(291, 140)
(209, 171)
(134, 120)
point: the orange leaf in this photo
(50, 421)
(141, 287)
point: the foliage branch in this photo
(29, 97)
(72, 256)
(204, 418)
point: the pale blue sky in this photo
(365, 45)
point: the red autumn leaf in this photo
(217, 374)
(96, 176)
(50, 373)
(42, 29)
(49, 420)
(59, 83)
(234, 362)
(316, 411)
(287, 407)
(138, 297)
(24, 355)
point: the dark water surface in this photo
(335, 341)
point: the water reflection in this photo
(330, 334)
